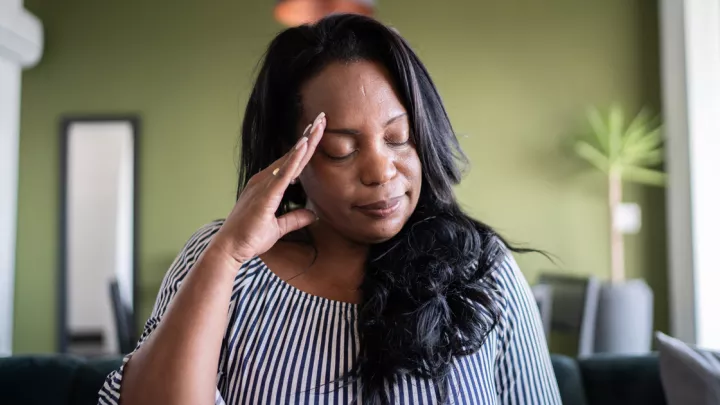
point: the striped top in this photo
(285, 346)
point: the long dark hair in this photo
(425, 298)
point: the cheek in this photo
(322, 183)
(412, 167)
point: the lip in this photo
(382, 208)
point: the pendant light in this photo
(298, 12)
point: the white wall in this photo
(20, 46)
(690, 45)
(99, 224)
(9, 141)
(702, 22)
(124, 219)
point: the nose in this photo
(377, 167)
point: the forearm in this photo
(178, 363)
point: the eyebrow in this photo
(355, 132)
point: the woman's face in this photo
(365, 176)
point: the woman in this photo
(379, 290)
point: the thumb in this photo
(292, 221)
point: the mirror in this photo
(98, 236)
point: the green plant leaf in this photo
(600, 130)
(616, 120)
(644, 176)
(646, 159)
(637, 128)
(633, 156)
(647, 142)
(630, 148)
(592, 155)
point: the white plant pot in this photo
(624, 323)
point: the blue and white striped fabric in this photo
(284, 346)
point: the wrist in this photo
(222, 256)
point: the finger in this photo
(307, 136)
(314, 138)
(316, 133)
(294, 220)
(283, 175)
(270, 172)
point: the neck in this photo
(337, 252)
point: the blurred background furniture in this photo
(543, 298)
(568, 307)
(124, 326)
(601, 380)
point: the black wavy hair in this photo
(425, 298)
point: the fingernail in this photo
(307, 128)
(318, 119)
(301, 142)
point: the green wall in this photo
(515, 79)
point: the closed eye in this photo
(398, 137)
(405, 142)
(339, 158)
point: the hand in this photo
(252, 228)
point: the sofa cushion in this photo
(89, 378)
(29, 380)
(690, 376)
(569, 380)
(53, 379)
(622, 380)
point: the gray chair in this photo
(543, 299)
(123, 320)
(573, 308)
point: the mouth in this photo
(382, 208)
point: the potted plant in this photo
(624, 152)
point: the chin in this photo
(375, 239)
(378, 232)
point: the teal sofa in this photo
(601, 380)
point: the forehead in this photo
(351, 92)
